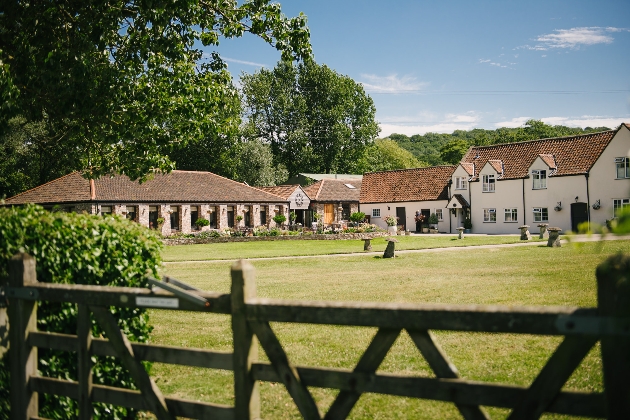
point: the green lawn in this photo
(235, 250)
(514, 276)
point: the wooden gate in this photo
(609, 323)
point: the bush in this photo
(433, 219)
(467, 224)
(83, 249)
(201, 222)
(357, 217)
(279, 218)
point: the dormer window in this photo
(488, 183)
(539, 177)
(461, 183)
(623, 168)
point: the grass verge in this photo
(509, 276)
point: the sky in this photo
(440, 66)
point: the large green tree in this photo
(386, 155)
(315, 119)
(122, 83)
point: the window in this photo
(345, 214)
(619, 204)
(438, 212)
(541, 214)
(623, 168)
(153, 217)
(511, 215)
(194, 215)
(106, 210)
(131, 213)
(174, 217)
(376, 212)
(489, 215)
(540, 179)
(263, 215)
(212, 217)
(230, 216)
(461, 183)
(352, 187)
(488, 183)
(247, 216)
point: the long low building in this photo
(169, 202)
(563, 182)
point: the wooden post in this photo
(246, 389)
(23, 358)
(613, 300)
(84, 371)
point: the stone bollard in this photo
(525, 236)
(554, 237)
(543, 231)
(391, 247)
(461, 233)
(367, 244)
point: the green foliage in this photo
(254, 165)
(83, 249)
(438, 149)
(357, 217)
(159, 221)
(433, 219)
(121, 83)
(292, 216)
(279, 218)
(315, 119)
(386, 155)
(467, 223)
(201, 222)
(239, 218)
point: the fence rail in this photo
(582, 328)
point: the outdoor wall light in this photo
(576, 198)
(597, 205)
(388, 208)
(559, 206)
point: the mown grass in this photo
(513, 276)
(279, 248)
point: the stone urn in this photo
(392, 230)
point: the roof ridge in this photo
(410, 169)
(45, 183)
(543, 139)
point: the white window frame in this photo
(623, 164)
(539, 179)
(440, 214)
(461, 183)
(489, 215)
(512, 214)
(376, 212)
(489, 182)
(619, 204)
(541, 214)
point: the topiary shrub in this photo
(201, 222)
(357, 217)
(82, 249)
(279, 218)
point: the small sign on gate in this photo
(157, 302)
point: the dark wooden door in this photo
(579, 214)
(402, 217)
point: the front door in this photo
(402, 217)
(329, 214)
(579, 214)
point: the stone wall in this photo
(330, 237)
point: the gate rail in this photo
(250, 316)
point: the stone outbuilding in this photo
(299, 202)
(335, 199)
(169, 202)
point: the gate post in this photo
(246, 389)
(23, 358)
(613, 300)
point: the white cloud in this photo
(513, 123)
(496, 64)
(448, 124)
(574, 38)
(391, 83)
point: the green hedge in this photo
(82, 249)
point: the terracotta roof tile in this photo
(549, 160)
(282, 191)
(418, 184)
(469, 168)
(334, 190)
(497, 165)
(573, 155)
(178, 186)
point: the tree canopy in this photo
(120, 84)
(386, 155)
(315, 119)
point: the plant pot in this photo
(467, 230)
(392, 230)
(425, 230)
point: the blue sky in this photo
(444, 65)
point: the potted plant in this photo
(292, 217)
(357, 217)
(201, 222)
(467, 225)
(238, 219)
(279, 219)
(160, 222)
(433, 222)
(391, 224)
